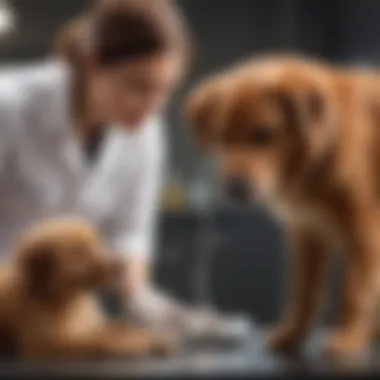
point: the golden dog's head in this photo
(63, 257)
(271, 121)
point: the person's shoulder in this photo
(19, 82)
(34, 72)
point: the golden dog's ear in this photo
(204, 112)
(313, 115)
(37, 263)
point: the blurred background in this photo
(210, 251)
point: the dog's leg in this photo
(310, 262)
(111, 340)
(360, 292)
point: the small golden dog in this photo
(48, 307)
(303, 137)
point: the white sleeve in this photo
(140, 205)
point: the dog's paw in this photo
(345, 346)
(283, 339)
(164, 346)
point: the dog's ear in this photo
(204, 109)
(37, 262)
(312, 114)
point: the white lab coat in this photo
(43, 172)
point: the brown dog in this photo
(303, 137)
(48, 308)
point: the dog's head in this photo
(271, 121)
(204, 109)
(62, 257)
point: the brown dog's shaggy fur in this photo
(304, 137)
(48, 308)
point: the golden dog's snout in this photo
(238, 189)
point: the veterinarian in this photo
(84, 134)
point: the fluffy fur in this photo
(304, 137)
(48, 308)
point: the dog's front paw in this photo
(345, 345)
(164, 346)
(284, 339)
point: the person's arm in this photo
(135, 239)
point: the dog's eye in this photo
(260, 137)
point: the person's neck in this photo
(87, 122)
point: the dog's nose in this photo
(238, 189)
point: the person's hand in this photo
(135, 277)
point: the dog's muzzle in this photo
(238, 189)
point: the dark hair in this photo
(115, 30)
(68, 44)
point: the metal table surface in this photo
(250, 358)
